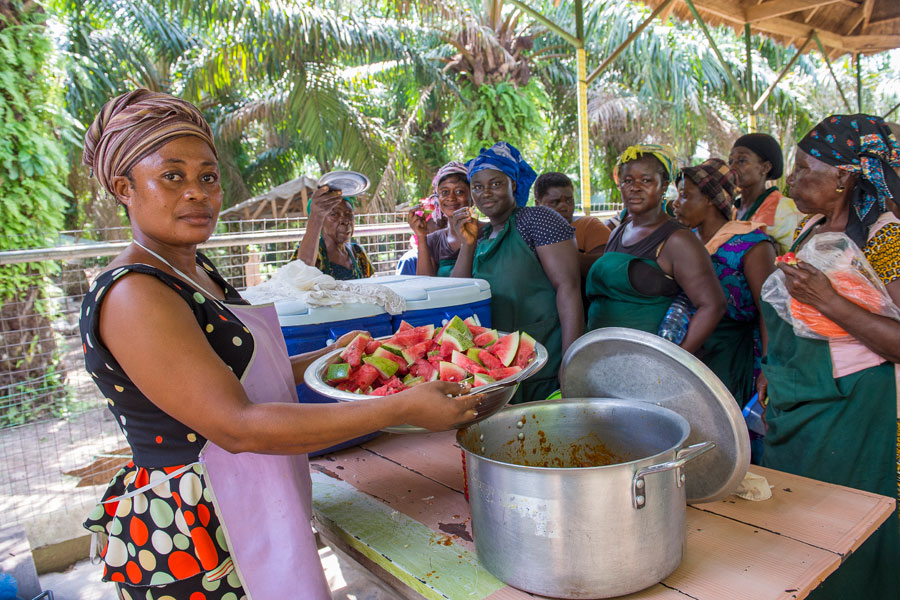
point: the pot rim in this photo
(686, 431)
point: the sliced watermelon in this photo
(446, 351)
(427, 331)
(405, 339)
(476, 330)
(402, 368)
(353, 353)
(503, 373)
(416, 351)
(505, 348)
(451, 372)
(337, 373)
(525, 353)
(364, 376)
(385, 366)
(481, 379)
(459, 341)
(459, 326)
(404, 326)
(486, 338)
(372, 346)
(424, 369)
(472, 353)
(473, 320)
(489, 360)
(384, 391)
(461, 360)
(392, 347)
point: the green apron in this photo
(522, 299)
(445, 267)
(615, 303)
(728, 352)
(842, 431)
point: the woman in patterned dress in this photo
(201, 385)
(832, 409)
(743, 257)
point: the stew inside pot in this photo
(586, 451)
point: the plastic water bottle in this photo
(675, 324)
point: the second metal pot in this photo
(579, 498)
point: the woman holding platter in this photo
(216, 501)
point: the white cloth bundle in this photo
(298, 281)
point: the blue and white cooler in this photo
(307, 328)
(435, 300)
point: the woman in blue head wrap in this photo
(833, 403)
(528, 255)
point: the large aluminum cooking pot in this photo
(579, 498)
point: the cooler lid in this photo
(617, 362)
(295, 313)
(422, 292)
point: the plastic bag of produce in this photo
(850, 274)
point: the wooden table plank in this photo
(440, 568)
(824, 515)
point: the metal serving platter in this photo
(616, 362)
(350, 183)
(497, 395)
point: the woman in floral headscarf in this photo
(832, 409)
(528, 255)
(650, 258)
(439, 249)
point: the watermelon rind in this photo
(486, 339)
(480, 379)
(526, 350)
(459, 326)
(505, 348)
(337, 373)
(393, 348)
(385, 366)
(472, 354)
(410, 381)
(456, 340)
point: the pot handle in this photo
(638, 485)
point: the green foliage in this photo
(500, 112)
(32, 171)
(32, 161)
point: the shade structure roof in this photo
(287, 200)
(842, 26)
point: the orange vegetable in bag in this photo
(851, 285)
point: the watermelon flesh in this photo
(461, 360)
(372, 346)
(505, 348)
(451, 372)
(402, 368)
(504, 372)
(364, 377)
(353, 353)
(525, 353)
(486, 338)
(489, 360)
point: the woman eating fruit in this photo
(832, 410)
(528, 256)
(202, 387)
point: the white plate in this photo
(350, 183)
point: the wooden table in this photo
(396, 505)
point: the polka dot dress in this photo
(168, 537)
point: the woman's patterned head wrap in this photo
(863, 145)
(665, 154)
(133, 125)
(505, 158)
(451, 168)
(716, 180)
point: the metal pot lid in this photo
(616, 362)
(350, 183)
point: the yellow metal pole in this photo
(583, 143)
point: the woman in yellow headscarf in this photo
(650, 258)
